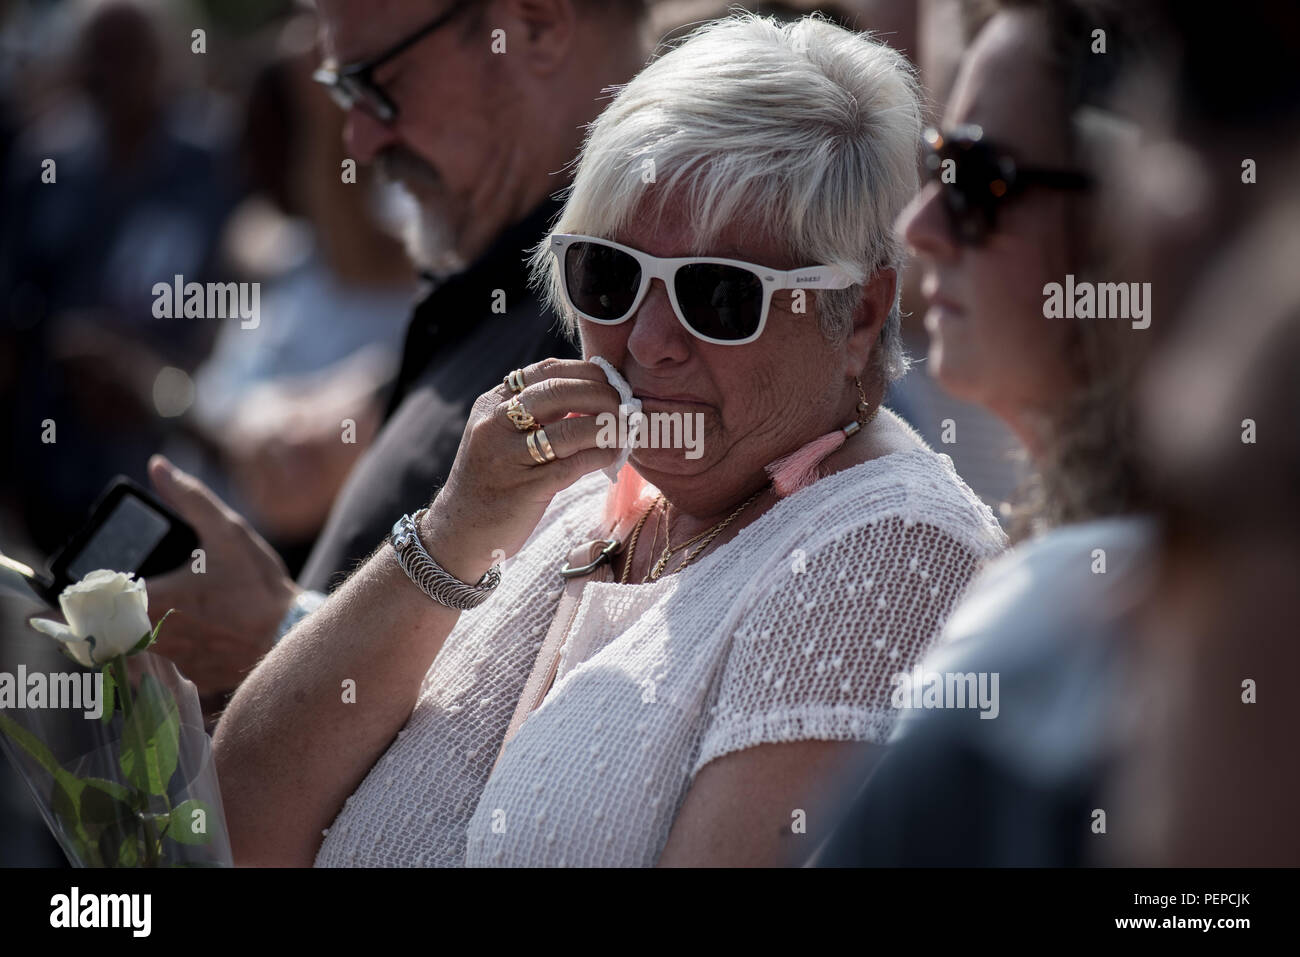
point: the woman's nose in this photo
(657, 335)
(924, 225)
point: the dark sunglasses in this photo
(353, 85)
(982, 177)
(723, 301)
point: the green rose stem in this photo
(152, 843)
(117, 668)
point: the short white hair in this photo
(805, 131)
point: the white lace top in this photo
(790, 631)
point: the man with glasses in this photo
(475, 109)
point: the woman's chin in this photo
(960, 379)
(657, 463)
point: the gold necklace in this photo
(704, 538)
(631, 542)
(669, 548)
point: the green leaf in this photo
(65, 798)
(103, 807)
(110, 696)
(150, 638)
(82, 846)
(128, 852)
(189, 815)
(31, 744)
(114, 790)
(151, 738)
(65, 801)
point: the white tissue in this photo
(629, 408)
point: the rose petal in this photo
(78, 649)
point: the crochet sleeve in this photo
(815, 654)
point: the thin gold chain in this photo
(714, 534)
(707, 537)
(669, 548)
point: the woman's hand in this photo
(496, 494)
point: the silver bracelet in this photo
(434, 580)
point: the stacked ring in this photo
(545, 443)
(515, 381)
(523, 419)
(543, 454)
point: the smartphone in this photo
(129, 530)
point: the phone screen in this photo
(125, 539)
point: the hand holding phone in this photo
(228, 616)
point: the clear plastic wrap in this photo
(136, 787)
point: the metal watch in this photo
(432, 579)
(303, 605)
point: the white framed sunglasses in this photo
(722, 301)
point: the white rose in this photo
(107, 613)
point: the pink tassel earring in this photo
(623, 501)
(802, 467)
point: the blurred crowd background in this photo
(225, 165)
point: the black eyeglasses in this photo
(982, 177)
(353, 84)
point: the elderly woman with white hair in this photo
(675, 668)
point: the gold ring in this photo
(515, 381)
(523, 419)
(545, 443)
(531, 440)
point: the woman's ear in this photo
(869, 318)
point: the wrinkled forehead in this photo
(1006, 84)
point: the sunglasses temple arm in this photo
(817, 277)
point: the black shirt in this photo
(456, 349)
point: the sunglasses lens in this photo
(601, 281)
(972, 187)
(719, 301)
